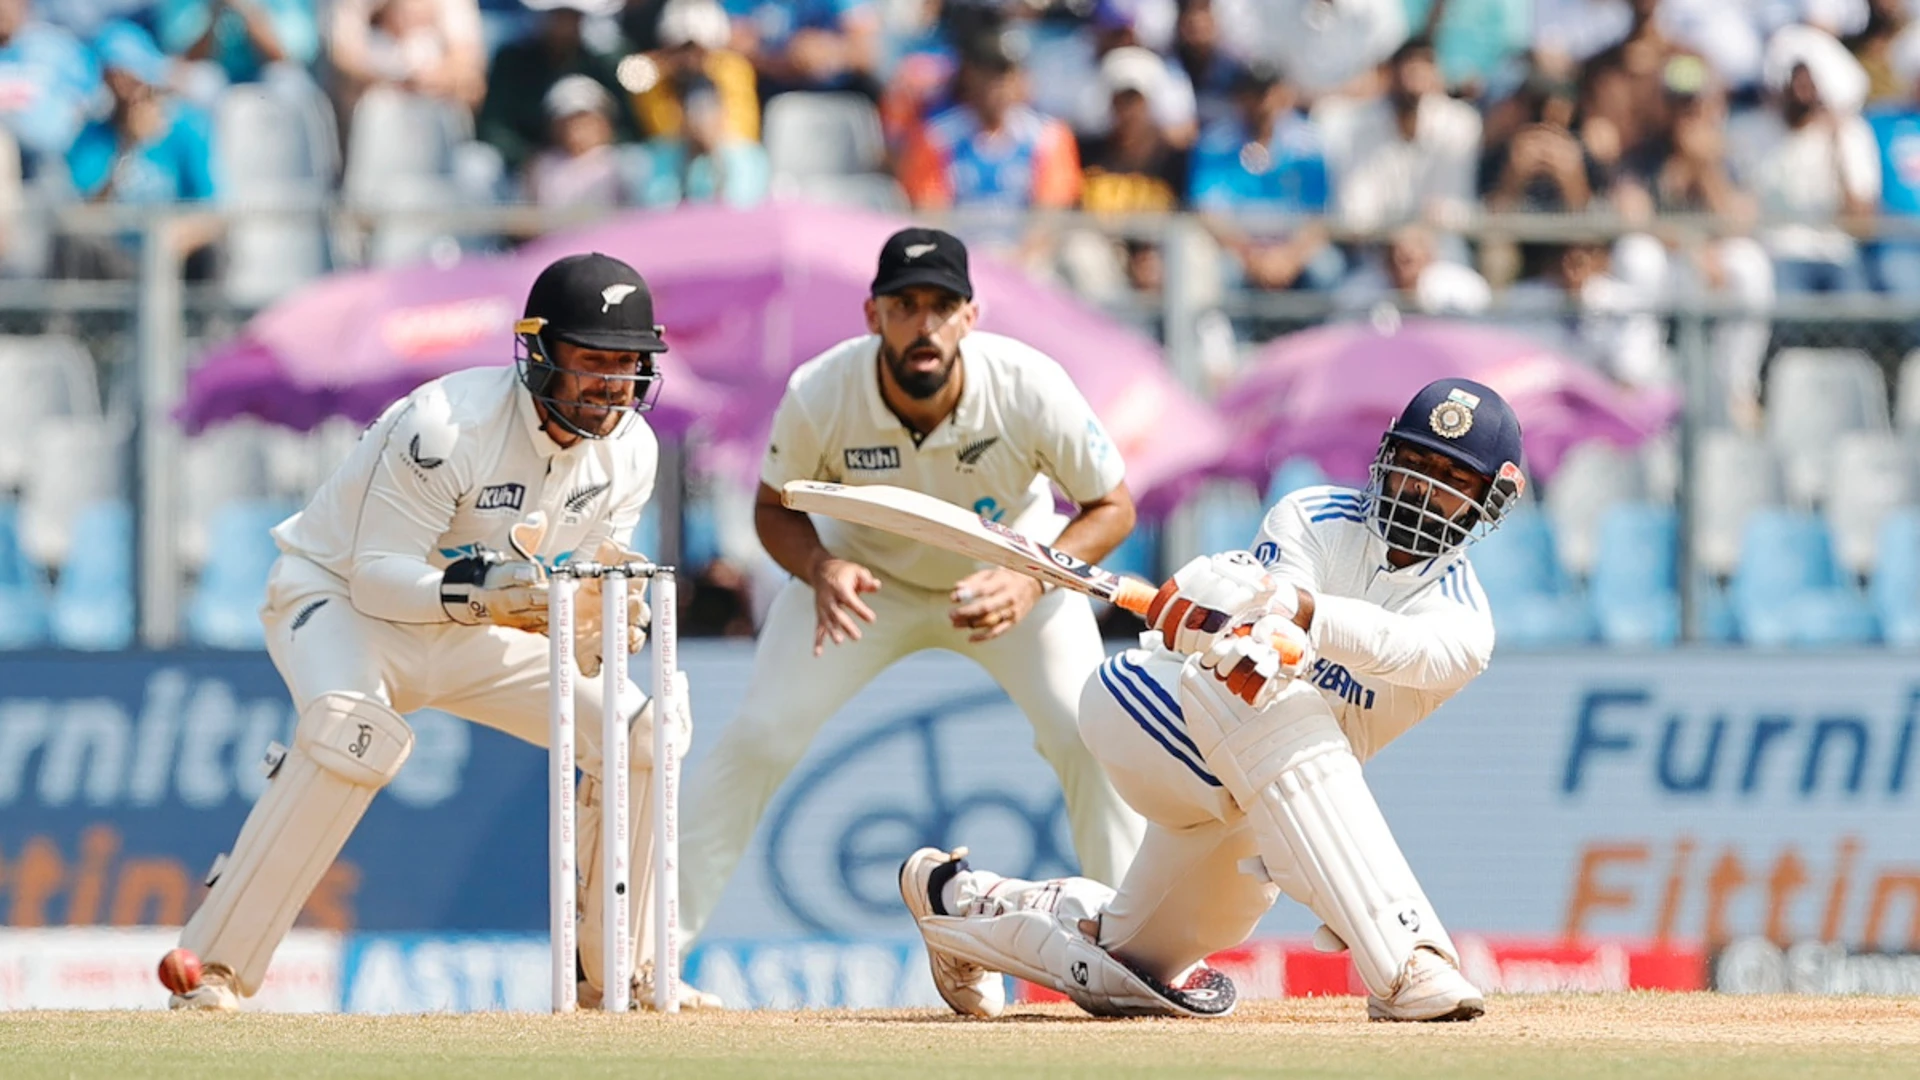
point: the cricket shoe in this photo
(1430, 988)
(214, 994)
(691, 997)
(971, 989)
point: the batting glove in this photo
(1196, 605)
(1256, 658)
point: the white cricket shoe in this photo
(971, 989)
(214, 994)
(691, 997)
(1430, 988)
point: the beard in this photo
(918, 385)
(1402, 524)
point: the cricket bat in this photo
(922, 517)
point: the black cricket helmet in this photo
(594, 301)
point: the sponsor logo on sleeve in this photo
(500, 497)
(421, 461)
(872, 458)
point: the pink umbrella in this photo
(1328, 393)
(746, 296)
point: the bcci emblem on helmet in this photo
(1453, 417)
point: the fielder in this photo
(1247, 765)
(415, 578)
(922, 401)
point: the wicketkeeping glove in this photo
(488, 587)
(588, 629)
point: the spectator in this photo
(47, 81)
(1326, 46)
(1409, 274)
(1132, 169)
(1599, 302)
(428, 47)
(241, 38)
(1172, 102)
(1684, 171)
(1408, 154)
(991, 149)
(1542, 167)
(1569, 33)
(1267, 161)
(151, 150)
(1210, 69)
(513, 115)
(1896, 132)
(579, 165)
(809, 44)
(1475, 41)
(694, 70)
(1810, 157)
(1880, 45)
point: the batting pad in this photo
(346, 747)
(1321, 835)
(1045, 947)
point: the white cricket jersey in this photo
(450, 468)
(1020, 427)
(1392, 644)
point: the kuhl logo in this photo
(873, 458)
(501, 497)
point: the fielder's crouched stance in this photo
(416, 578)
(1238, 732)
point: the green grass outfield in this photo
(1626, 1036)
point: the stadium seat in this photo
(1292, 475)
(269, 160)
(79, 461)
(1873, 474)
(1635, 582)
(46, 377)
(1533, 606)
(1738, 475)
(823, 134)
(1896, 580)
(224, 612)
(866, 191)
(224, 465)
(1593, 478)
(23, 589)
(1906, 407)
(1228, 518)
(400, 157)
(1786, 591)
(93, 602)
(1813, 396)
(699, 533)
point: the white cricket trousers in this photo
(1185, 897)
(490, 675)
(1041, 663)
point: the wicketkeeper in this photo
(416, 578)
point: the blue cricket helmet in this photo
(1470, 424)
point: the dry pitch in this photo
(1632, 1036)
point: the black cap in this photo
(597, 302)
(923, 257)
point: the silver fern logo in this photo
(578, 500)
(971, 453)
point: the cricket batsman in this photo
(416, 578)
(985, 422)
(1239, 728)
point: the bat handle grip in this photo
(1136, 596)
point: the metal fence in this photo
(146, 333)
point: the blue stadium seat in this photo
(1138, 554)
(23, 591)
(1896, 580)
(1292, 475)
(93, 603)
(1533, 605)
(1229, 519)
(1786, 590)
(646, 535)
(1635, 582)
(699, 533)
(225, 610)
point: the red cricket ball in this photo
(180, 971)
